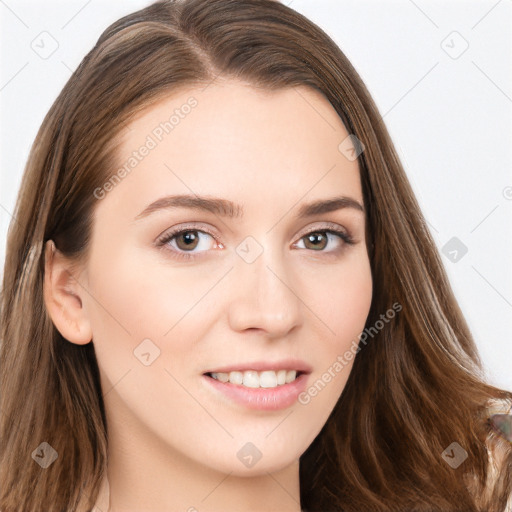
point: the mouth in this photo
(266, 379)
(266, 390)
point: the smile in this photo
(255, 379)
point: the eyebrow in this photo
(226, 208)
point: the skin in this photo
(173, 442)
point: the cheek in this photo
(343, 298)
(125, 308)
(138, 308)
(344, 305)
(136, 297)
(349, 303)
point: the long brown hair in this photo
(415, 388)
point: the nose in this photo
(264, 298)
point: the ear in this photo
(63, 297)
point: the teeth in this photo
(235, 377)
(290, 376)
(254, 379)
(223, 377)
(251, 379)
(268, 379)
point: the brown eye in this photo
(316, 240)
(188, 243)
(187, 240)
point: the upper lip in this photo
(260, 366)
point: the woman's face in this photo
(244, 289)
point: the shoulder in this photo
(499, 447)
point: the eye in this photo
(318, 239)
(183, 241)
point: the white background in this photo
(450, 119)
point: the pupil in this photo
(189, 237)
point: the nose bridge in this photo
(265, 298)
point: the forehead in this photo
(255, 146)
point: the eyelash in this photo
(187, 255)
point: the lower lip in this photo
(263, 399)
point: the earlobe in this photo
(63, 297)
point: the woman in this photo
(220, 292)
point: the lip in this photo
(262, 399)
(261, 366)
